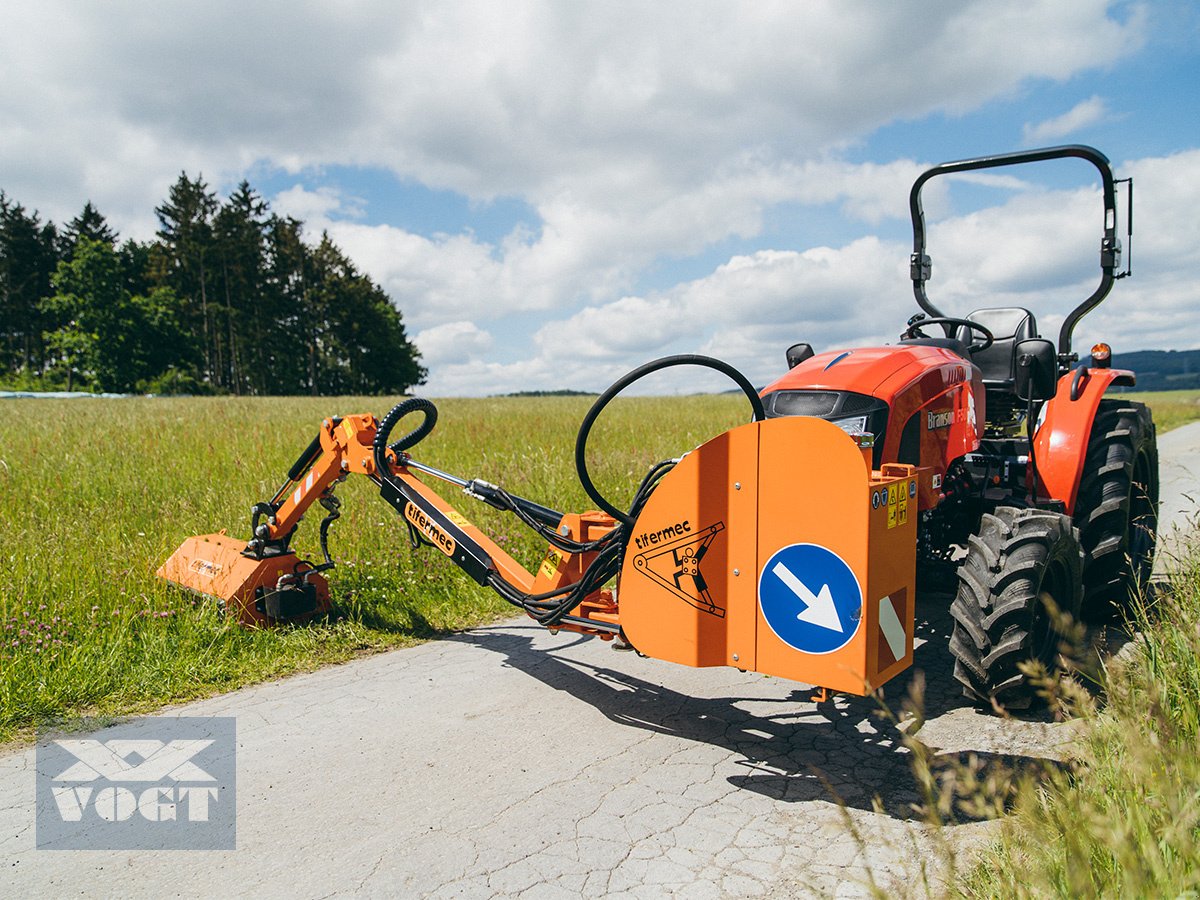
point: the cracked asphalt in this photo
(506, 761)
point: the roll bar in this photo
(1110, 244)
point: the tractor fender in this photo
(1061, 442)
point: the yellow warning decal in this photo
(348, 427)
(458, 518)
(893, 493)
(550, 564)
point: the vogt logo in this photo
(152, 784)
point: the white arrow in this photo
(819, 609)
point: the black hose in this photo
(619, 385)
(398, 412)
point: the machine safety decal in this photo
(205, 568)
(675, 564)
(810, 598)
(457, 518)
(895, 497)
(551, 563)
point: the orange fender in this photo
(1060, 443)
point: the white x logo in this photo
(110, 760)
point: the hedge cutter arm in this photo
(262, 581)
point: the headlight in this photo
(851, 412)
(852, 425)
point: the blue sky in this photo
(555, 193)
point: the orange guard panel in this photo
(774, 548)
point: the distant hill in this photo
(1161, 370)
(562, 392)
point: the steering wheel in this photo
(948, 323)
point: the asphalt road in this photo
(509, 762)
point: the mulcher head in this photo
(268, 591)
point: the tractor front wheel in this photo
(1022, 570)
(1117, 508)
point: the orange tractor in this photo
(791, 545)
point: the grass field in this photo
(95, 494)
(1171, 408)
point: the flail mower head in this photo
(265, 591)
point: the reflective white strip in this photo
(893, 631)
(296, 496)
(308, 482)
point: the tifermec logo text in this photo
(152, 784)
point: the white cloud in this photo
(542, 101)
(747, 311)
(1087, 112)
(452, 343)
(317, 208)
(638, 133)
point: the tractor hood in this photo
(862, 370)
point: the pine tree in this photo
(288, 284)
(28, 257)
(88, 224)
(361, 346)
(186, 245)
(239, 232)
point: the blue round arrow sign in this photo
(810, 598)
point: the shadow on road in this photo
(844, 750)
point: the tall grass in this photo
(1124, 819)
(95, 494)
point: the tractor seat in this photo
(1009, 326)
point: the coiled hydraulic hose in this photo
(619, 385)
(418, 434)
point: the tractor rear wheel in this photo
(1020, 566)
(1117, 507)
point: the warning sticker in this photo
(551, 563)
(458, 518)
(898, 496)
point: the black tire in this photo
(1019, 559)
(1116, 511)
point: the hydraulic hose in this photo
(624, 382)
(398, 412)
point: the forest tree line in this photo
(229, 298)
